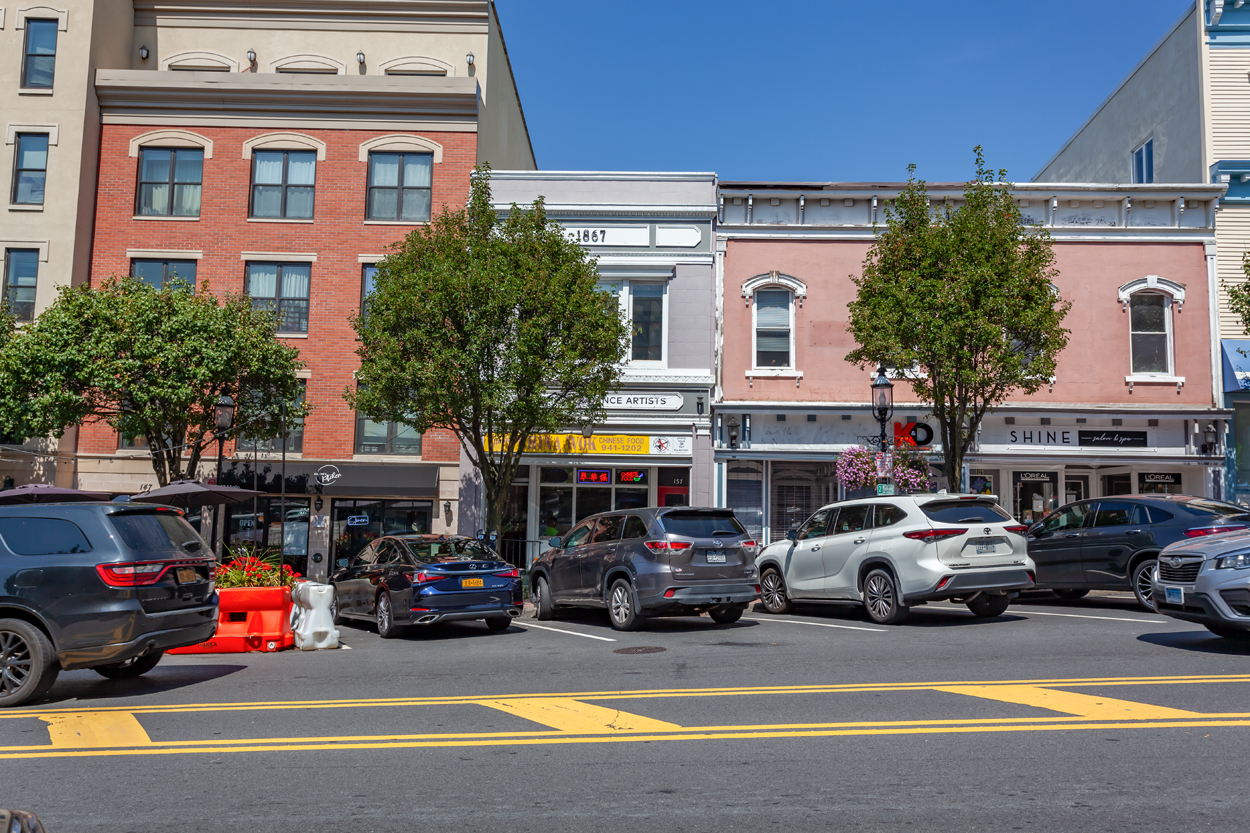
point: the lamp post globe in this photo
(223, 412)
(882, 402)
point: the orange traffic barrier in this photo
(249, 619)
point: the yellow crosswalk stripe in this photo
(95, 729)
(570, 715)
(1081, 705)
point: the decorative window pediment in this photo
(284, 141)
(43, 13)
(416, 65)
(171, 138)
(308, 63)
(1153, 283)
(211, 61)
(750, 285)
(400, 142)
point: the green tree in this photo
(150, 363)
(493, 328)
(1239, 295)
(962, 303)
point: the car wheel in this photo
(621, 607)
(28, 665)
(1142, 587)
(881, 599)
(499, 624)
(726, 614)
(543, 609)
(386, 617)
(985, 606)
(1071, 594)
(334, 611)
(129, 668)
(1229, 633)
(773, 592)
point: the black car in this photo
(1112, 543)
(107, 586)
(402, 580)
(650, 562)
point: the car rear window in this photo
(965, 512)
(1214, 508)
(703, 524)
(42, 536)
(156, 532)
(454, 549)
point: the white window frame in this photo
(1132, 162)
(792, 365)
(1169, 374)
(625, 299)
(1174, 300)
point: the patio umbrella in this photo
(190, 494)
(44, 493)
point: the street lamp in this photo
(882, 402)
(223, 419)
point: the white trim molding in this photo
(41, 245)
(171, 139)
(1155, 283)
(283, 140)
(369, 259)
(11, 131)
(42, 13)
(211, 61)
(164, 254)
(416, 65)
(773, 373)
(1, 17)
(307, 62)
(401, 142)
(774, 278)
(280, 257)
(1160, 379)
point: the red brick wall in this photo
(338, 235)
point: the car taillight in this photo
(751, 547)
(1019, 530)
(664, 546)
(928, 535)
(1202, 531)
(132, 574)
(424, 577)
(945, 581)
(513, 573)
(670, 592)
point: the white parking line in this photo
(1027, 612)
(817, 624)
(570, 633)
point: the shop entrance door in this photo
(1117, 484)
(673, 487)
(1075, 487)
(1034, 494)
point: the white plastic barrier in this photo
(311, 621)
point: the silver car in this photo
(890, 553)
(1207, 580)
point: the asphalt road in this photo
(1092, 715)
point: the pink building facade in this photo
(1134, 406)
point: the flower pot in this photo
(249, 619)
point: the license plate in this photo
(984, 548)
(186, 575)
(1174, 595)
(470, 582)
(716, 556)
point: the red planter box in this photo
(249, 619)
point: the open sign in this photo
(358, 520)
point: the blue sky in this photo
(832, 90)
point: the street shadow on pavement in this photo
(1124, 602)
(442, 632)
(86, 685)
(922, 616)
(1199, 641)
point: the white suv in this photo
(893, 552)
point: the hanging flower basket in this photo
(857, 470)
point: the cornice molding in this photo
(447, 16)
(401, 142)
(142, 94)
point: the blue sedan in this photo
(402, 580)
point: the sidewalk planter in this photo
(249, 619)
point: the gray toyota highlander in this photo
(650, 562)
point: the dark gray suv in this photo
(650, 562)
(107, 586)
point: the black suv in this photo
(108, 586)
(650, 562)
(1112, 543)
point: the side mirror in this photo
(792, 535)
(555, 542)
(341, 563)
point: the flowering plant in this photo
(248, 570)
(857, 469)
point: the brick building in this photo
(278, 153)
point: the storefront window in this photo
(591, 500)
(357, 522)
(1117, 484)
(263, 527)
(566, 495)
(744, 494)
(1035, 493)
(798, 490)
(1159, 483)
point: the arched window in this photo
(774, 327)
(1150, 303)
